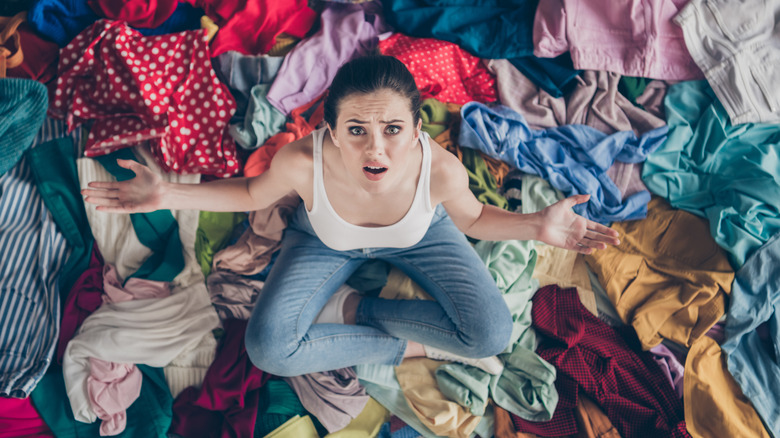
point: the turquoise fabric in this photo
(23, 105)
(54, 169)
(262, 120)
(727, 174)
(157, 230)
(149, 416)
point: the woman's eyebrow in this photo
(391, 121)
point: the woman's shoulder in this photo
(447, 171)
(297, 153)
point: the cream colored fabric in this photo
(442, 416)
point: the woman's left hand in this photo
(564, 228)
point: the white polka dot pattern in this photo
(139, 88)
(442, 69)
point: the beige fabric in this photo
(566, 269)
(442, 416)
(714, 403)
(252, 252)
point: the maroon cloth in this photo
(226, 405)
(137, 13)
(251, 26)
(607, 365)
(84, 298)
(157, 88)
(40, 56)
(20, 419)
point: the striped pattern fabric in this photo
(32, 252)
(53, 129)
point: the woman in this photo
(373, 186)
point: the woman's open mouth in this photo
(374, 173)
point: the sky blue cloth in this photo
(755, 299)
(727, 174)
(573, 158)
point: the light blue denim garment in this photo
(242, 72)
(468, 317)
(755, 299)
(573, 158)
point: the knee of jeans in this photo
(489, 338)
(270, 356)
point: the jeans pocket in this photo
(740, 20)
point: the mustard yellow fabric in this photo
(295, 427)
(714, 403)
(365, 425)
(667, 278)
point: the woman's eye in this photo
(356, 130)
(392, 129)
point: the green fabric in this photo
(278, 404)
(729, 175)
(435, 120)
(468, 386)
(54, 169)
(214, 231)
(157, 230)
(23, 104)
(435, 117)
(632, 87)
(149, 416)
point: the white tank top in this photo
(341, 235)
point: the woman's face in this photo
(377, 138)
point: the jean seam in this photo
(308, 301)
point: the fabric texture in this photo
(722, 172)
(573, 158)
(19, 418)
(240, 73)
(661, 284)
(334, 397)
(735, 44)
(601, 363)
(345, 32)
(633, 38)
(442, 69)
(23, 105)
(172, 82)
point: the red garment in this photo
(149, 14)
(159, 88)
(85, 297)
(607, 365)
(442, 69)
(227, 403)
(20, 419)
(251, 26)
(299, 127)
(40, 56)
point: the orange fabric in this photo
(591, 422)
(260, 160)
(11, 55)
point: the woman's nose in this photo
(376, 144)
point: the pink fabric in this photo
(20, 419)
(112, 388)
(134, 288)
(158, 88)
(251, 26)
(442, 69)
(631, 37)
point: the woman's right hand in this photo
(141, 194)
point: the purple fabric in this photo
(334, 397)
(670, 366)
(346, 31)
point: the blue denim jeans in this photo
(468, 317)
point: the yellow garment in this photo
(365, 425)
(400, 287)
(714, 403)
(211, 27)
(283, 45)
(442, 416)
(667, 278)
(567, 269)
(295, 427)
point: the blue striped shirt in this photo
(32, 252)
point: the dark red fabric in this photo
(40, 56)
(157, 88)
(85, 297)
(607, 364)
(298, 127)
(226, 405)
(442, 69)
(251, 26)
(20, 419)
(137, 13)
